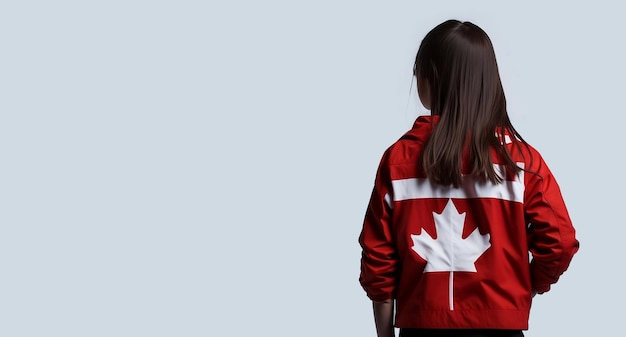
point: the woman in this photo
(458, 203)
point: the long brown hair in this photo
(458, 62)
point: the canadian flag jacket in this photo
(459, 257)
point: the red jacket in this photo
(459, 257)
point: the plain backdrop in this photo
(194, 168)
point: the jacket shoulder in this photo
(408, 147)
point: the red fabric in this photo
(498, 294)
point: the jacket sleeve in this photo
(379, 257)
(551, 236)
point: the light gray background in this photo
(193, 168)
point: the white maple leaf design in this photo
(450, 252)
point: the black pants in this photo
(459, 333)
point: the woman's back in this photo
(461, 253)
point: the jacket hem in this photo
(465, 319)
